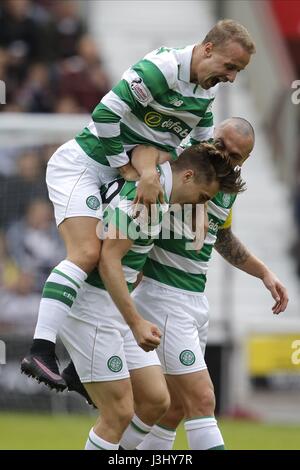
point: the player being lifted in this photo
(159, 101)
(172, 296)
(95, 334)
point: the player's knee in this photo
(174, 415)
(124, 416)
(164, 402)
(159, 404)
(207, 402)
(118, 416)
(89, 256)
(200, 402)
(123, 407)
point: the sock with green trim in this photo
(60, 291)
(204, 434)
(159, 438)
(94, 442)
(134, 434)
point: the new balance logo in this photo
(176, 102)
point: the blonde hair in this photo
(229, 30)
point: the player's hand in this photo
(149, 190)
(278, 291)
(147, 335)
(128, 172)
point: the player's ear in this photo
(208, 47)
(188, 176)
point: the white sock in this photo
(159, 438)
(60, 291)
(204, 434)
(95, 442)
(134, 434)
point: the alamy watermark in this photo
(2, 92)
(296, 94)
(2, 353)
(295, 357)
(166, 222)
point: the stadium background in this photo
(57, 59)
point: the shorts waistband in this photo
(161, 285)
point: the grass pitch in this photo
(30, 431)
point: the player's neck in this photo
(176, 192)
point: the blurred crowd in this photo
(293, 45)
(29, 242)
(50, 64)
(48, 61)
(287, 15)
(296, 201)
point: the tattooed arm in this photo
(233, 251)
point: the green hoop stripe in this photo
(56, 271)
(199, 417)
(64, 294)
(104, 114)
(138, 429)
(166, 428)
(96, 445)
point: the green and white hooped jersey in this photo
(119, 195)
(154, 103)
(172, 264)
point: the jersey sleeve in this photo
(140, 84)
(158, 73)
(106, 117)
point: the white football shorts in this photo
(99, 341)
(73, 180)
(182, 318)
